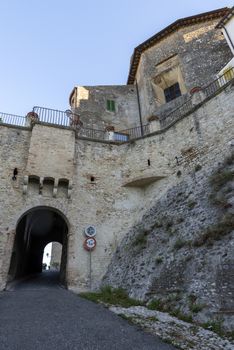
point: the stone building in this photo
(123, 153)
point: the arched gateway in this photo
(35, 229)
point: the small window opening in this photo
(15, 173)
(92, 178)
(148, 162)
(110, 105)
(172, 92)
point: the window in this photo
(168, 83)
(110, 105)
(172, 92)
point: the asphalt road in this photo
(38, 314)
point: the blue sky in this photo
(49, 46)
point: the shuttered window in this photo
(110, 105)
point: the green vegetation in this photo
(159, 260)
(219, 179)
(214, 326)
(195, 308)
(198, 167)
(140, 239)
(164, 306)
(111, 296)
(180, 243)
(156, 304)
(191, 204)
(215, 232)
(127, 318)
(186, 318)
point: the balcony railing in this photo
(137, 132)
(70, 119)
(52, 116)
(220, 82)
(208, 91)
(12, 119)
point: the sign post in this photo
(90, 244)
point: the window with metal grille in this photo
(110, 105)
(172, 92)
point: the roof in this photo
(226, 18)
(168, 30)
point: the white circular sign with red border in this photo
(90, 244)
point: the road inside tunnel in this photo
(34, 231)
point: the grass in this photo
(215, 232)
(195, 308)
(186, 318)
(156, 304)
(111, 296)
(163, 306)
(214, 326)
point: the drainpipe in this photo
(139, 108)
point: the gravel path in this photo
(38, 314)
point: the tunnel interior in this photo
(34, 231)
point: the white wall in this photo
(230, 29)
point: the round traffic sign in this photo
(90, 231)
(90, 243)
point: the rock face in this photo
(182, 251)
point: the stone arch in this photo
(35, 228)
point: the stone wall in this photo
(90, 102)
(56, 254)
(113, 185)
(181, 251)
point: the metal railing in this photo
(208, 91)
(70, 119)
(177, 113)
(220, 82)
(137, 132)
(93, 134)
(12, 119)
(52, 116)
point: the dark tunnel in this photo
(34, 231)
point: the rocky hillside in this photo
(181, 255)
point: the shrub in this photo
(215, 232)
(219, 179)
(140, 239)
(156, 304)
(159, 260)
(198, 167)
(186, 318)
(180, 243)
(215, 326)
(191, 204)
(229, 160)
(195, 308)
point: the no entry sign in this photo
(90, 244)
